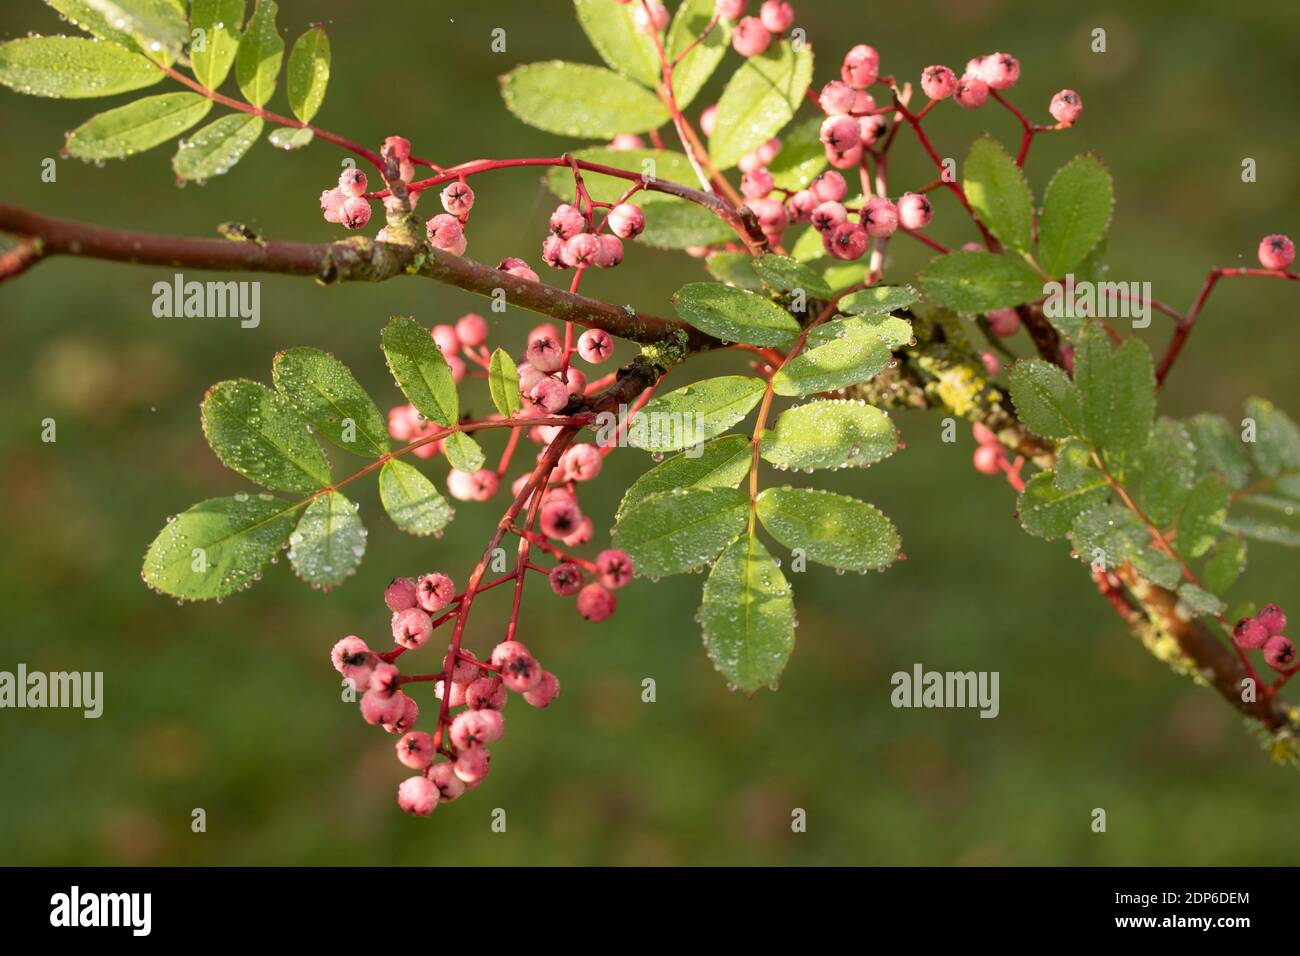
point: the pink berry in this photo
(351, 651)
(551, 394)
(828, 215)
(416, 750)
(472, 728)
(553, 252)
(609, 251)
(354, 213)
(559, 518)
(472, 329)
(521, 672)
(627, 141)
(614, 568)
(473, 765)
(457, 199)
(971, 92)
(582, 462)
(331, 204)
(708, 119)
(485, 693)
(848, 240)
(384, 681)
(914, 211)
(504, 650)
(352, 182)
(1279, 652)
(879, 217)
(595, 345)
(938, 82)
(730, 9)
(404, 719)
(1003, 323)
(580, 250)
(545, 350)
(767, 152)
(756, 183)
(845, 158)
(626, 221)
(772, 217)
(412, 628)
(650, 16)
(547, 689)
(801, 205)
(481, 485)
(1273, 619)
(596, 603)
(435, 591)
(1065, 107)
(378, 709)
(836, 98)
(581, 534)
(517, 267)
(828, 187)
(777, 15)
(404, 423)
(400, 594)
(457, 366)
(567, 222)
(1276, 252)
(1249, 634)
(1000, 70)
(988, 459)
(458, 691)
(983, 434)
(446, 338)
(417, 796)
(577, 386)
(443, 776)
(839, 132)
(750, 37)
(871, 128)
(566, 579)
(445, 232)
(399, 146)
(861, 67)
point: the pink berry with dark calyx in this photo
(596, 602)
(471, 729)
(730, 9)
(551, 394)
(582, 462)
(595, 346)
(351, 651)
(847, 241)
(472, 329)
(1273, 619)
(472, 765)
(1276, 252)
(417, 796)
(971, 92)
(836, 98)
(379, 709)
(1249, 634)
(400, 594)
(504, 650)
(580, 250)
(750, 37)
(457, 199)
(547, 689)
(828, 186)
(871, 128)
(626, 221)
(416, 750)
(938, 82)
(1279, 652)
(988, 459)
(849, 158)
(331, 204)
(879, 217)
(1003, 323)
(839, 132)
(559, 518)
(518, 268)
(581, 534)
(485, 693)
(566, 579)
(545, 351)
(405, 718)
(861, 67)
(352, 182)
(384, 682)
(827, 215)
(354, 213)
(1000, 71)
(412, 628)
(483, 485)
(771, 214)
(443, 776)
(567, 222)
(553, 252)
(614, 568)
(521, 672)
(776, 15)
(801, 205)
(609, 251)
(1066, 107)
(914, 211)
(446, 338)
(445, 232)
(435, 591)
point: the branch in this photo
(356, 259)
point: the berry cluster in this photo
(575, 241)
(1263, 632)
(991, 457)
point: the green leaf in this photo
(840, 275)
(1219, 448)
(1074, 466)
(261, 51)
(649, 164)
(98, 16)
(1046, 400)
(996, 189)
(135, 127)
(611, 28)
(257, 433)
(216, 147)
(1225, 564)
(842, 361)
(892, 331)
(760, 98)
(1200, 600)
(734, 315)
(694, 413)
(1108, 536)
(695, 68)
(809, 247)
(308, 73)
(1266, 518)
(1047, 511)
(218, 546)
(327, 394)
(1168, 470)
(573, 99)
(1202, 516)
(748, 616)
(717, 464)
(1118, 389)
(1157, 567)
(801, 158)
(979, 281)
(681, 225)
(675, 531)
(73, 68)
(463, 452)
(834, 530)
(734, 268)
(1076, 214)
(286, 137)
(878, 300)
(412, 500)
(326, 547)
(1276, 447)
(420, 370)
(503, 383)
(785, 275)
(830, 433)
(220, 21)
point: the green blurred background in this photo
(233, 707)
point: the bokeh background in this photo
(233, 707)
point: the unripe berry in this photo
(457, 199)
(971, 92)
(435, 591)
(756, 183)
(1279, 652)
(938, 82)
(1003, 323)
(914, 211)
(1276, 252)
(1249, 634)
(596, 603)
(1000, 70)
(840, 133)
(416, 750)
(861, 67)
(626, 221)
(504, 650)
(626, 141)
(517, 267)
(384, 681)
(848, 241)
(801, 205)
(772, 217)
(404, 423)
(551, 394)
(378, 709)
(595, 345)
(354, 213)
(650, 16)
(399, 146)
(777, 15)
(472, 329)
(730, 9)
(443, 776)
(553, 252)
(577, 386)
(827, 215)
(458, 691)
(331, 204)
(473, 765)
(472, 728)
(352, 182)
(480, 485)
(405, 718)
(567, 222)
(446, 338)
(609, 251)
(485, 693)
(582, 462)
(988, 459)
(521, 672)
(879, 217)
(1065, 107)
(547, 689)
(559, 518)
(566, 579)
(545, 352)
(870, 129)
(351, 651)
(417, 796)
(845, 159)
(580, 250)
(828, 187)
(445, 232)
(614, 568)
(1271, 616)
(412, 628)
(750, 37)
(400, 594)
(581, 535)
